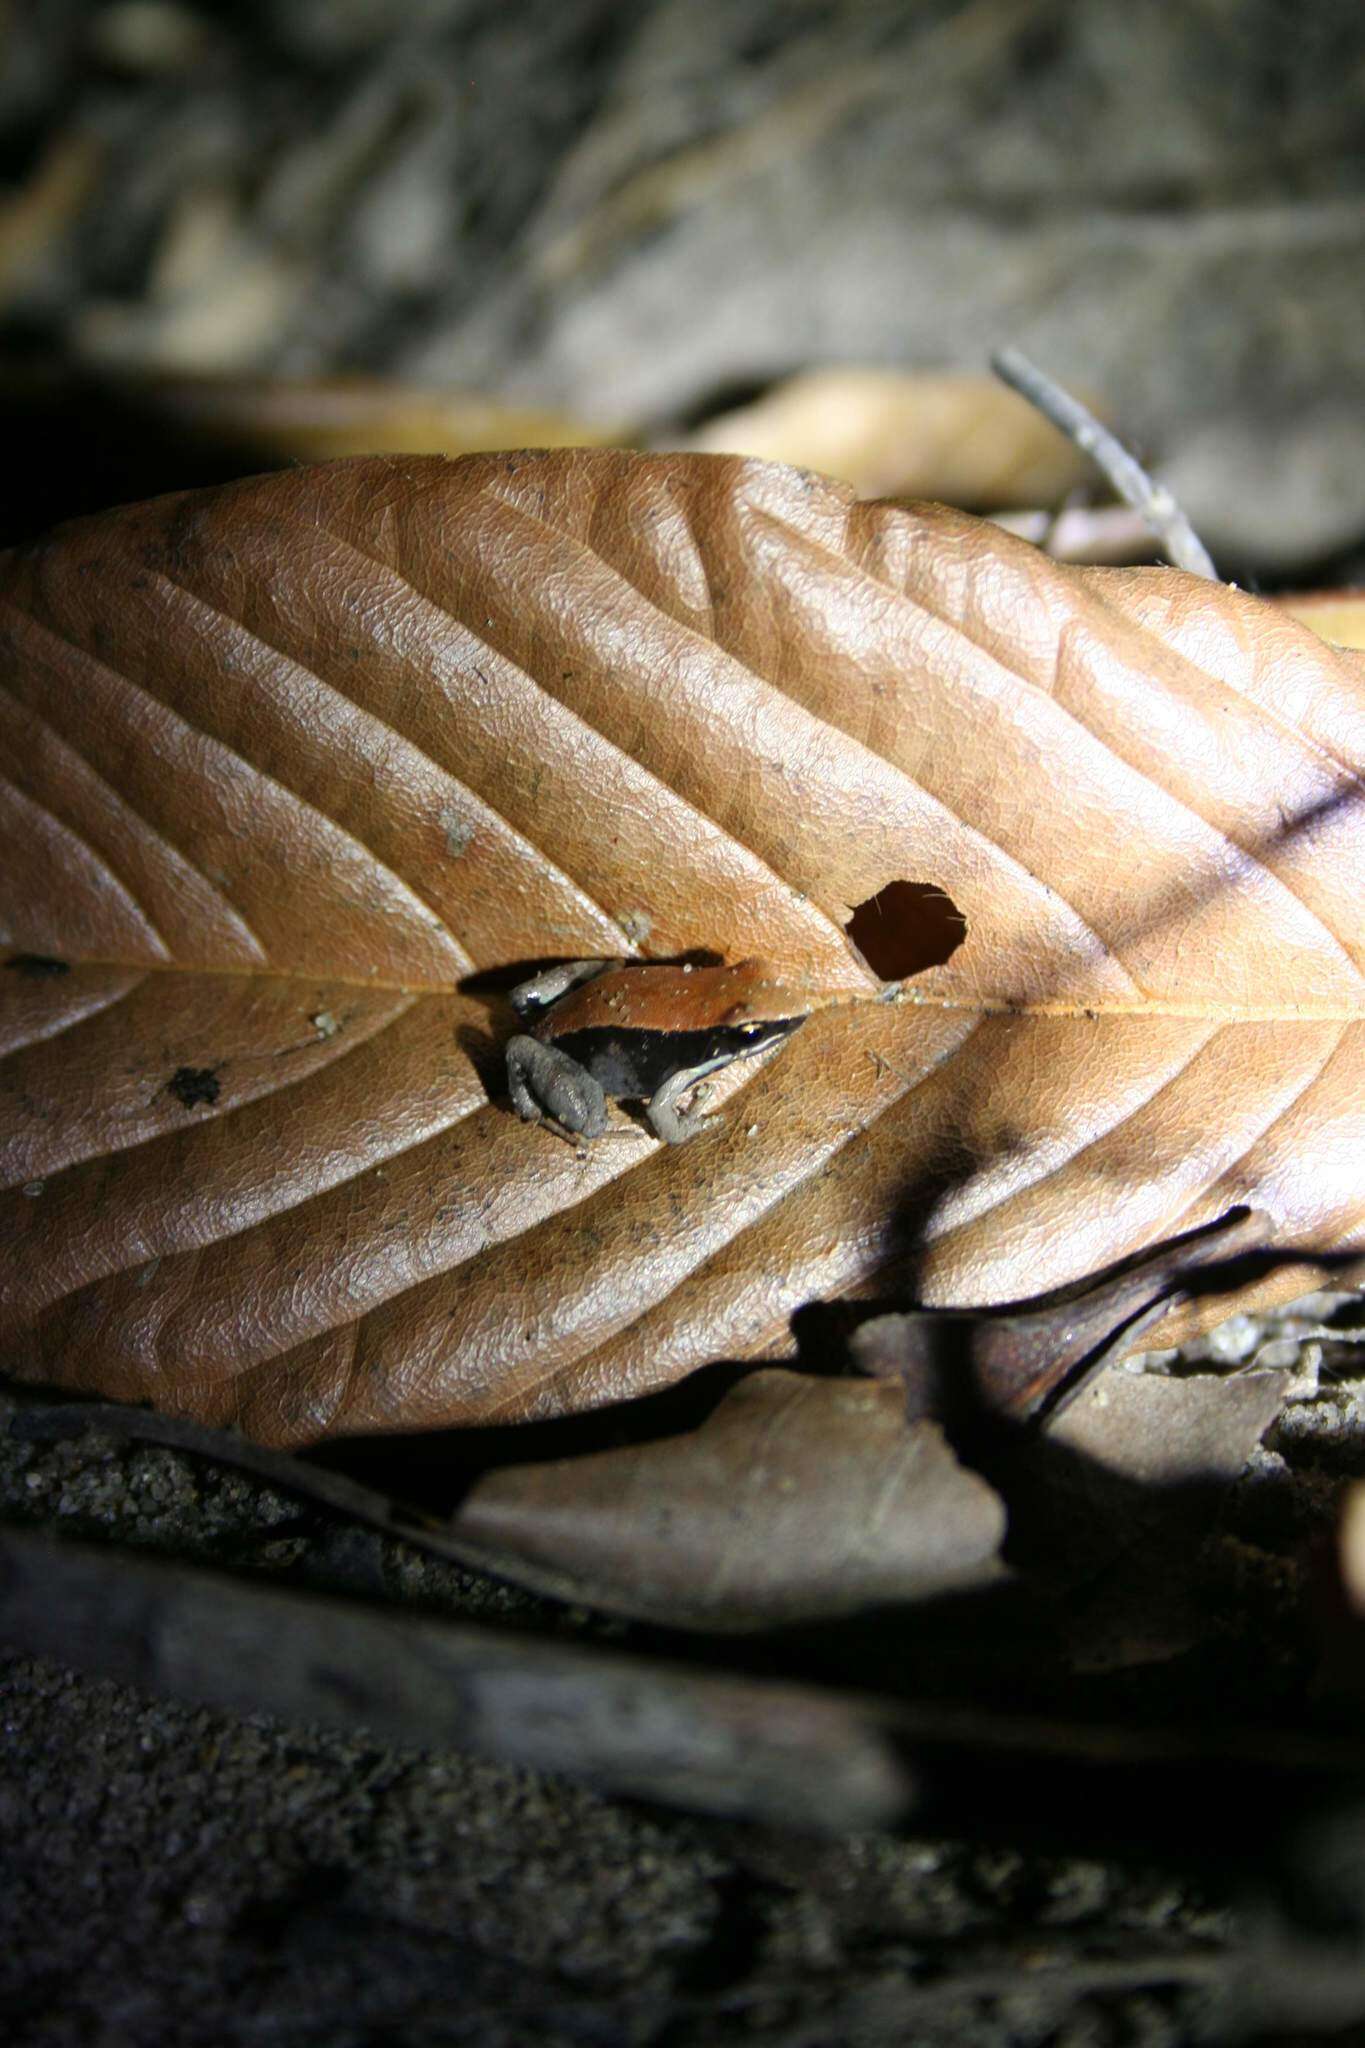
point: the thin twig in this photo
(1178, 539)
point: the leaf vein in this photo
(177, 855)
(117, 886)
(194, 597)
(958, 626)
(595, 731)
(57, 1029)
(1054, 896)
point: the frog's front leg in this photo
(674, 1125)
(543, 1081)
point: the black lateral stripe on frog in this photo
(637, 1063)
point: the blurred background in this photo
(239, 233)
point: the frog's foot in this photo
(672, 1123)
(544, 1083)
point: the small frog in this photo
(631, 1029)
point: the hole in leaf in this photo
(195, 1087)
(906, 927)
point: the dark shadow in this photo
(78, 443)
(485, 1049)
(999, 1738)
(717, 400)
(434, 1471)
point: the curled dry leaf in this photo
(1020, 1360)
(287, 762)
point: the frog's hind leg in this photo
(544, 1082)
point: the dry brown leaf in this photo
(286, 762)
(1163, 1433)
(796, 1499)
(895, 433)
(1117, 1508)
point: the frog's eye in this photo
(753, 1030)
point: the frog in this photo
(641, 1031)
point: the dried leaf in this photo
(797, 1499)
(285, 763)
(1337, 616)
(891, 433)
(1163, 1432)
(1130, 1478)
(1127, 1466)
